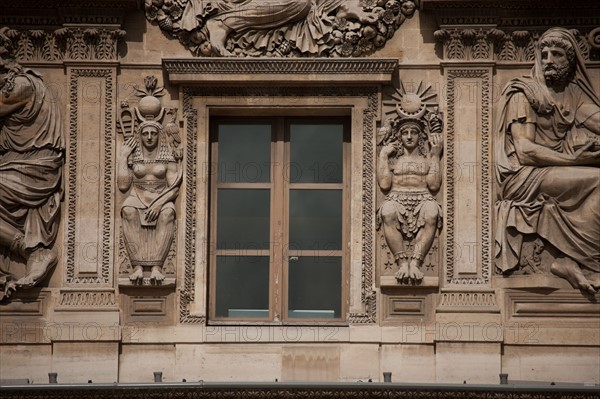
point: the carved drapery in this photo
(150, 174)
(331, 28)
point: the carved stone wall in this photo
(373, 62)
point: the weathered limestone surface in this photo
(137, 85)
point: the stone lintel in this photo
(280, 71)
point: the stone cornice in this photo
(298, 390)
(289, 71)
(512, 14)
(55, 13)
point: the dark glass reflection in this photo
(316, 153)
(244, 153)
(315, 287)
(316, 219)
(243, 219)
(242, 289)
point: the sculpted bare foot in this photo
(7, 290)
(156, 275)
(595, 281)
(138, 274)
(218, 36)
(570, 271)
(415, 272)
(403, 273)
(39, 262)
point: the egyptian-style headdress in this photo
(164, 153)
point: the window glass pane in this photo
(243, 219)
(316, 153)
(244, 153)
(242, 287)
(316, 219)
(315, 287)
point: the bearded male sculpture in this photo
(31, 159)
(547, 163)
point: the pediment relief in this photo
(280, 28)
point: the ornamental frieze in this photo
(67, 43)
(482, 44)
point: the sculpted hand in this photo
(387, 150)
(128, 147)
(437, 144)
(584, 156)
(152, 213)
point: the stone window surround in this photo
(269, 87)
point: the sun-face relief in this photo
(408, 172)
(280, 28)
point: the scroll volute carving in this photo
(32, 149)
(150, 174)
(280, 28)
(410, 146)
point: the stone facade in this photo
(124, 285)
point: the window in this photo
(278, 219)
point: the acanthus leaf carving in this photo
(66, 43)
(465, 44)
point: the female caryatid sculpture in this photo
(150, 171)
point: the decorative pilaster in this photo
(90, 57)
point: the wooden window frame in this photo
(280, 188)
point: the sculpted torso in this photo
(409, 173)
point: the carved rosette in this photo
(362, 30)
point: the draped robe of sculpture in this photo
(569, 221)
(256, 21)
(31, 159)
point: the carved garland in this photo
(367, 293)
(105, 275)
(341, 36)
(484, 75)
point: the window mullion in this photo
(278, 225)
